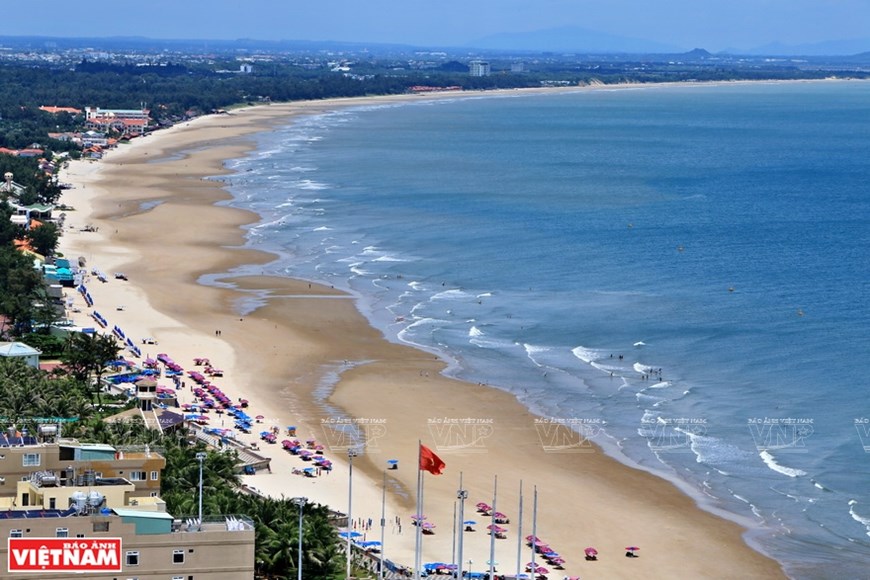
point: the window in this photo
(15, 534)
(133, 558)
(61, 532)
(31, 459)
(138, 476)
(178, 578)
(153, 494)
(155, 475)
(101, 526)
(178, 556)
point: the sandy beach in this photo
(303, 355)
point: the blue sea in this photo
(687, 266)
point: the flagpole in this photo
(418, 527)
(351, 453)
(492, 529)
(383, 525)
(520, 533)
(453, 543)
(461, 495)
(534, 527)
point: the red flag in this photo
(430, 462)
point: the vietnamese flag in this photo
(430, 462)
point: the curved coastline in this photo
(279, 353)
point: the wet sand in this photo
(305, 356)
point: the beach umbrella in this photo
(541, 570)
(351, 534)
(418, 517)
(259, 417)
(590, 552)
(632, 548)
(469, 523)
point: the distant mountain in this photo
(828, 48)
(571, 39)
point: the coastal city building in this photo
(479, 68)
(62, 488)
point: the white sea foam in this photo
(322, 229)
(356, 269)
(587, 355)
(858, 518)
(770, 461)
(388, 258)
(532, 350)
(454, 294)
(415, 285)
(640, 343)
(474, 332)
(490, 343)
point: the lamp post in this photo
(351, 453)
(200, 457)
(461, 495)
(299, 502)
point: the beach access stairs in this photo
(246, 456)
(151, 420)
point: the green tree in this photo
(44, 238)
(86, 355)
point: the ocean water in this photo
(685, 267)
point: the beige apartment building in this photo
(67, 489)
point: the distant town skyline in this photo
(715, 25)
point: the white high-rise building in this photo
(479, 68)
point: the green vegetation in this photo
(27, 393)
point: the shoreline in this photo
(384, 381)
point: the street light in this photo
(299, 502)
(461, 495)
(200, 457)
(351, 453)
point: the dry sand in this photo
(305, 356)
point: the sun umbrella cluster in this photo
(548, 554)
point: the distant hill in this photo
(571, 39)
(828, 48)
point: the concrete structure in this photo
(479, 68)
(22, 351)
(154, 546)
(62, 488)
(72, 463)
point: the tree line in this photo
(27, 392)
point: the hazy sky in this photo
(710, 24)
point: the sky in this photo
(711, 24)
